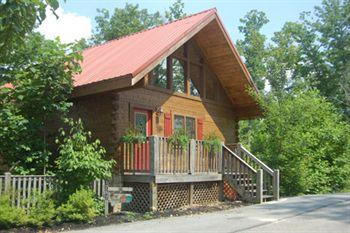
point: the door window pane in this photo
(191, 127)
(179, 122)
(141, 122)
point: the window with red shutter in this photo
(200, 129)
(167, 125)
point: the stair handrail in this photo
(255, 159)
(238, 158)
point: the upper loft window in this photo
(178, 75)
(160, 75)
(195, 79)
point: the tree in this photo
(131, 19)
(40, 73)
(80, 160)
(176, 11)
(123, 21)
(19, 17)
(315, 50)
(253, 47)
(303, 135)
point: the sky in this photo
(76, 17)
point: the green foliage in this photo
(133, 136)
(10, 216)
(252, 47)
(41, 74)
(80, 161)
(42, 209)
(80, 207)
(179, 138)
(212, 142)
(131, 19)
(123, 21)
(99, 205)
(313, 52)
(176, 11)
(19, 17)
(303, 135)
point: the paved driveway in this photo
(316, 213)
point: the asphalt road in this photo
(314, 213)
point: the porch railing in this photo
(270, 177)
(158, 156)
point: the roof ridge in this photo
(151, 28)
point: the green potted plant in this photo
(212, 143)
(179, 139)
(133, 136)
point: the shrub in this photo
(11, 216)
(133, 136)
(179, 138)
(42, 209)
(99, 205)
(80, 207)
(304, 136)
(212, 143)
(80, 161)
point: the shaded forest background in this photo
(302, 72)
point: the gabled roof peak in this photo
(214, 10)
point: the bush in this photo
(80, 207)
(80, 160)
(11, 216)
(303, 135)
(42, 210)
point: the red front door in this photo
(142, 123)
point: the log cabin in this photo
(185, 74)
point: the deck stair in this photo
(253, 180)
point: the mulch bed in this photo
(125, 217)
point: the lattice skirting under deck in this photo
(141, 198)
(205, 192)
(172, 196)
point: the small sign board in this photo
(119, 195)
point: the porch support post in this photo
(259, 186)
(192, 156)
(221, 190)
(236, 131)
(191, 193)
(154, 157)
(153, 196)
(276, 185)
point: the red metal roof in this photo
(129, 55)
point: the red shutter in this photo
(167, 125)
(200, 129)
